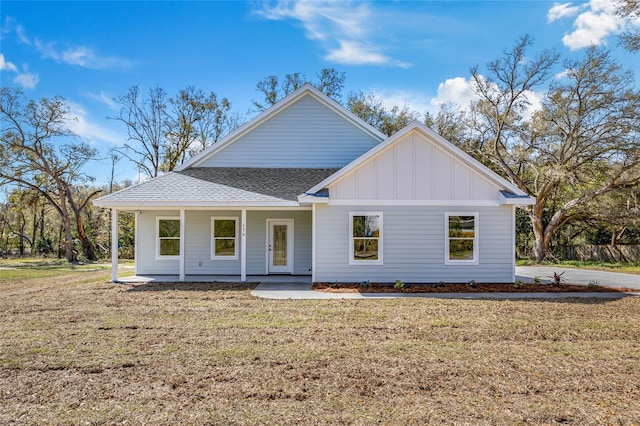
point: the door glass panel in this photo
(279, 245)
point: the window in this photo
(224, 232)
(168, 241)
(365, 238)
(461, 239)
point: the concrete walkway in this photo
(303, 290)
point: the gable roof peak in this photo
(435, 138)
(306, 90)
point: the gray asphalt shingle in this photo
(222, 184)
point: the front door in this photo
(280, 246)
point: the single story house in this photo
(308, 188)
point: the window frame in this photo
(213, 237)
(447, 239)
(380, 260)
(160, 256)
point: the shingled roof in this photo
(219, 186)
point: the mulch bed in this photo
(462, 288)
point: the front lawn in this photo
(77, 349)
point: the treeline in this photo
(577, 152)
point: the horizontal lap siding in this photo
(413, 245)
(257, 240)
(146, 262)
(198, 245)
(306, 134)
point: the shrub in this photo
(557, 278)
(472, 284)
(518, 284)
(593, 284)
(399, 284)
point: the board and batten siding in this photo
(198, 243)
(414, 168)
(414, 245)
(307, 134)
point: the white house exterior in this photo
(307, 188)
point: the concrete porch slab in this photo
(305, 279)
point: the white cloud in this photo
(22, 35)
(561, 10)
(81, 56)
(414, 100)
(344, 28)
(461, 92)
(355, 53)
(7, 66)
(28, 80)
(104, 99)
(457, 90)
(81, 124)
(594, 25)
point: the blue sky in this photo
(418, 52)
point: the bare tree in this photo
(145, 118)
(328, 81)
(163, 132)
(630, 11)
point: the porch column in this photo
(114, 245)
(243, 246)
(313, 242)
(182, 238)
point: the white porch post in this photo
(114, 245)
(243, 246)
(313, 242)
(182, 244)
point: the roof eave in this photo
(181, 204)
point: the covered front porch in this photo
(219, 244)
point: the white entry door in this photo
(280, 246)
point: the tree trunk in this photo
(87, 245)
(34, 231)
(541, 248)
(69, 253)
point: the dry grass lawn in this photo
(77, 349)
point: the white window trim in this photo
(158, 255)
(213, 239)
(380, 259)
(476, 245)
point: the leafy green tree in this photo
(372, 110)
(579, 147)
(39, 152)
